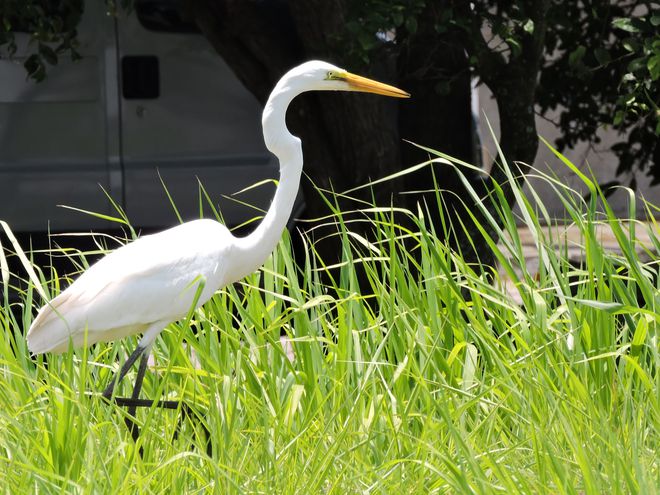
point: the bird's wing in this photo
(152, 279)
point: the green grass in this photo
(400, 386)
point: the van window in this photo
(167, 16)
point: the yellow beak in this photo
(359, 83)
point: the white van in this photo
(150, 96)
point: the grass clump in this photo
(413, 371)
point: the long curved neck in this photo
(257, 246)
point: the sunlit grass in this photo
(427, 377)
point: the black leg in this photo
(134, 401)
(186, 413)
(138, 382)
(139, 351)
(130, 424)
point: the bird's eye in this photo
(333, 75)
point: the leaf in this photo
(469, 367)
(454, 352)
(637, 64)
(516, 49)
(625, 24)
(48, 54)
(576, 56)
(630, 45)
(653, 65)
(528, 27)
(27, 265)
(643, 376)
(96, 215)
(602, 56)
(640, 336)
(601, 305)
(618, 117)
(35, 67)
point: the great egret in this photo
(153, 281)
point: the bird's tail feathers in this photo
(51, 329)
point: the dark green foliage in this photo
(598, 64)
(51, 25)
(604, 71)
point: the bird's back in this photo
(152, 279)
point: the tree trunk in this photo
(514, 86)
(513, 79)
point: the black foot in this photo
(187, 413)
(134, 401)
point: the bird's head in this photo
(310, 76)
(322, 76)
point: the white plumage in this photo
(150, 280)
(143, 286)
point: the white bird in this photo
(153, 281)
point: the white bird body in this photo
(152, 279)
(148, 283)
